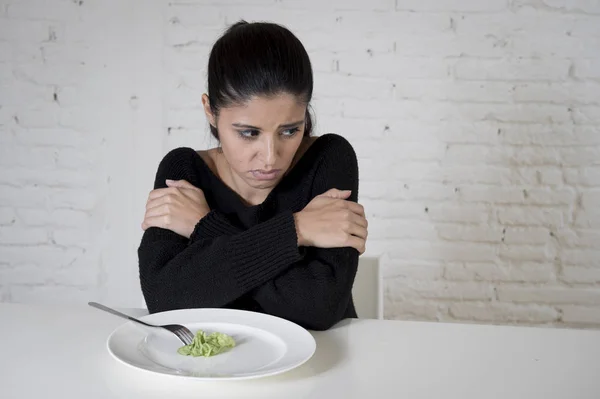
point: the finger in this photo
(335, 193)
(159, 210)
(179, 183)
(160, 192)
(359, 220)
(157, 221)
(358, 231)
(357, 243)
(165, 199)
(355, 208)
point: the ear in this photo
(209, 115)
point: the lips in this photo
(266, 174)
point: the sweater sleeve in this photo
(220, 262)
(316, 292)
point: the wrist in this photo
(302, 242)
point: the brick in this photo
(529, 235)
(24, 156)
(541, 175)
(54, 137)
(549, 295)
(391, 22)
(295, 18)
(522, 19)
(399, 229)
(520, 272)
(452, 5)
(335, 85)
(78, 199)
(587, 68)
(378, 5)
(549, 135)
(581, 257)
(580, 6)
(27, 94)
(34, 275)
(7, 216)
(75, 237)
(530, 216)
(48, 256)
(392, 65)
(586, 315)
(395, 209)
(432, 251)
(528, 253)
(413, 270)
(17, 235)
(182, 36)
(580, 275)
(438, 290)
(579, 238)
(51, 295)
(458, 232)
(514, 69)
(25, 31)
(590, 199)
(503, 312)
(26, 197)
(543, 196)
(50, 178)
(371, 43)
(587, 219)
(51, 74)
(447, 90)
(587, 177)
(448, 44)
(43, 10)
(38, 118)
(542, 46)
(195, 15)
(70, 158)
(558, 93)
(459, 213)
(414, 310)
(587, 115)
(492, 194)
(58, 217)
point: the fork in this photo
(183, 333)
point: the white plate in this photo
(265, 345)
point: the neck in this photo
(250, 195)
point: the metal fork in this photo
(183, 333)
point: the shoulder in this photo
(334, 150)
(334, 144)
(178, 164)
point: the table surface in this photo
(60, 351)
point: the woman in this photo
(269, 221)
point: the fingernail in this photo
(169, 181)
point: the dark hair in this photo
(258, 58)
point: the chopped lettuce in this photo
(207, 345)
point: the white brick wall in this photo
(477, 125)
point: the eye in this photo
(248, 134)
(290, 132)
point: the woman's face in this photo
(260, 138)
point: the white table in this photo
(60, 352)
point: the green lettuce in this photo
(207, 345)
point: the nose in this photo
(270, 152)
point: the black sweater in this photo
(247, 257)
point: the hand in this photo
(178, 208)
(330, 221)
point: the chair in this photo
(367, 291)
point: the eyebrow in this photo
(284, 126)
